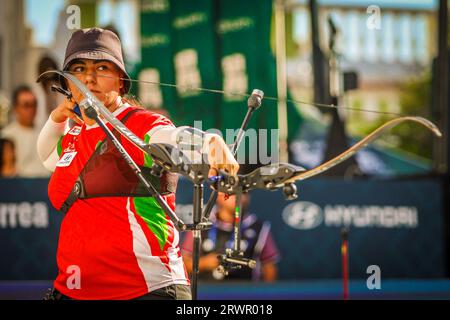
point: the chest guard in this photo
(107, 174)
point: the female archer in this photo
(115, 241)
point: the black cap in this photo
(96, 44)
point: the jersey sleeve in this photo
(49, 138)
(161, 121)
(144, 124)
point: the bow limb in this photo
(100, 108)
(301, 176)
(361, 144)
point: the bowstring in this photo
(246, 95)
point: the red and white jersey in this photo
(113, 247)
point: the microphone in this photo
(254, 101)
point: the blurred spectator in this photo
(48, 100)
(24, 134)
(7, 158)
(256, 242)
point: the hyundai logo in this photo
(302, 215)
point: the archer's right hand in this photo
(64, 111)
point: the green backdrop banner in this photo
(223, 45)
(246, 64)
(156, 51)
(195, 60)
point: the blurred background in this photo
(339, 70)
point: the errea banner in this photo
(24, 215)
(29, 230)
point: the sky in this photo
(417, 4)
(42, 15)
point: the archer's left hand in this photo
(220, 156)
